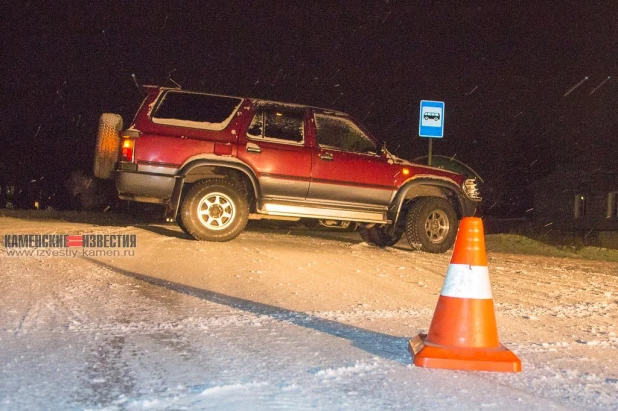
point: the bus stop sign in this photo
(431, 119)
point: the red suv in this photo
(216, 161)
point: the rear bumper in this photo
(144, 187)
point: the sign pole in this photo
(430, 150)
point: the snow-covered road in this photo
(286, 319)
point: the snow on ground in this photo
(285, 319)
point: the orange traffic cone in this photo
(463, 334)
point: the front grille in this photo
(471, 189)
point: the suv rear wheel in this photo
(214, 210)
(379, 236)
(431, 225)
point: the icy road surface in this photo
(286, 319)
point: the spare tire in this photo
(108, 145)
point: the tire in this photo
(431, 225)
(215, 210)
(379, 236)
(182, 225)
(108, 145)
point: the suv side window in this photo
(274, 124)
(342, 134)
(196, 110)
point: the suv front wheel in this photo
(431, 225)
(215, 210)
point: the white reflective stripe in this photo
(467, 281)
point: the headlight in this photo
(471, 189)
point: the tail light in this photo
(128, 148)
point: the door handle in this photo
(253, 148)
(326, 156)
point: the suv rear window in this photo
(195, 110)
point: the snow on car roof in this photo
(257, 101)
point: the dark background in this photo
(506, 71)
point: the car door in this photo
(275, 148)
(348, 168)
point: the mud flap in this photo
(174, 201)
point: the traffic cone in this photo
(463, 334)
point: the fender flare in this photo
(236, 165)
(174, 203)
(445, 185)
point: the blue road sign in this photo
(431, 119)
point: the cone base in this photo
(428, 355)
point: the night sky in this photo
(530, 87)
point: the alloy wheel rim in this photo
(437, 226)
(216, 211)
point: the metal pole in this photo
(430, 149)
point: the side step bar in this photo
(286, 210)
